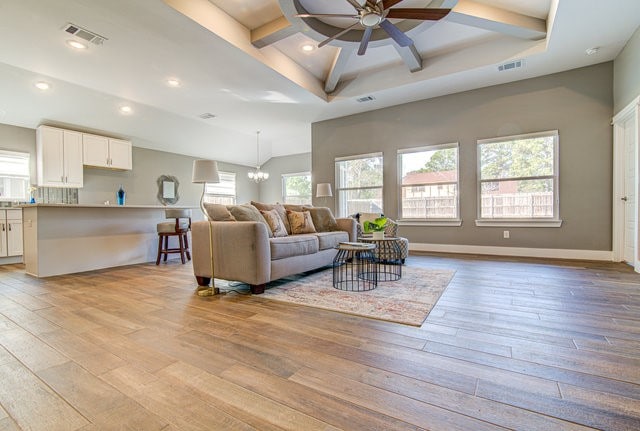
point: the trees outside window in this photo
(518, 177)
(429, 183)
(296, 188)
(359, 184)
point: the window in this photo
(223, 192)
(518, 178)
(429, 183)
(14, 176)
(359, 184)
(296, 188)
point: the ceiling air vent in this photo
(207, 116)
(84, 34)
(516, 64)
(365, 99)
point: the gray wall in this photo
(101, 185)
(626, 75)
(271, 190)
(578, 103)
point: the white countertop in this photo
(103, 206)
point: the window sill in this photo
(519, 223)
(454, 223)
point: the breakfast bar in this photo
(69, 238)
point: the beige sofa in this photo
(244, 251)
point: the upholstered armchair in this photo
(390, 230)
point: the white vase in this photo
(378, 235)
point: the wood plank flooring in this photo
(524, 344)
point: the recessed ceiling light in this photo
(173, 82)
(77, 45)
(592, 51)
(307, 47)
(126, 109)
(41, 85)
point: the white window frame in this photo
(454, 221)
(26, 157)
(342, 189)
(553, 221)
(295, 174)
(214, 190)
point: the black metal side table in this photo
(388, 256)
(355, 268)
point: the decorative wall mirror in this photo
(168, 189)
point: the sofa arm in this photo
(349, 225)
(241, 251)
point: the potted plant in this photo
(375, 227)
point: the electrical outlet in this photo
(506, 234)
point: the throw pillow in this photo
(292, 207)
(217, 212)
(300, 222)
(248, 212)
(282, 212)
(275, 223)
(323, 219)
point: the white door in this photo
(95, 150)
(629, 191)
(52, 155)
(73, 173)
(120, 154)
(14, 238)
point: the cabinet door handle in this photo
(2, 227)
(9, 226)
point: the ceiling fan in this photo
(374, 13)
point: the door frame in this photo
(632, 110)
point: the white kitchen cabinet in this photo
(10, 233)
(103, 152)
(58, 157)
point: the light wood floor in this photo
(512, 344)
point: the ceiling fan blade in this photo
(395, 33)
(415, 13)
(386, 4)
(327, 15)
(337, 35)
(365, 40)
(355, 5)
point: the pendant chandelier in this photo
(258, 175)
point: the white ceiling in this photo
(277, 89)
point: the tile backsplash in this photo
(55, 195)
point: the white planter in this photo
(378, 235)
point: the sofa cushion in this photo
(248, 212)
(218, 212)
(300, 222)
(328, 240)
(282, 212)
(294, 245)
(275, 223)
(323, 219)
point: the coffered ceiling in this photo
(243, 61)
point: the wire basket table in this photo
(388, 256)
(355, 268)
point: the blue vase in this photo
(121, 196)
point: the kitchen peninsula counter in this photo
(69, 238)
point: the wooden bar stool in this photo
(179, 228)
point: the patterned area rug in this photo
(408, 300)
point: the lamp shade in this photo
(205, 171)
(323, 190)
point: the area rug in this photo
(408, 300)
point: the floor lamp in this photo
(323, 190)
(206, 171)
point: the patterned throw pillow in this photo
(323, 219)
(300, 222)
(282, 212)
(275, 223)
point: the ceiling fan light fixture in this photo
(370, 19)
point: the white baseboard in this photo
(553, 253)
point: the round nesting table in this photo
(354, 267)
(388, 256)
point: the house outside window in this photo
(14, 176)
(296, 188)
(429, 183)
(359, 181)
(518, 179)
(223, 192)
